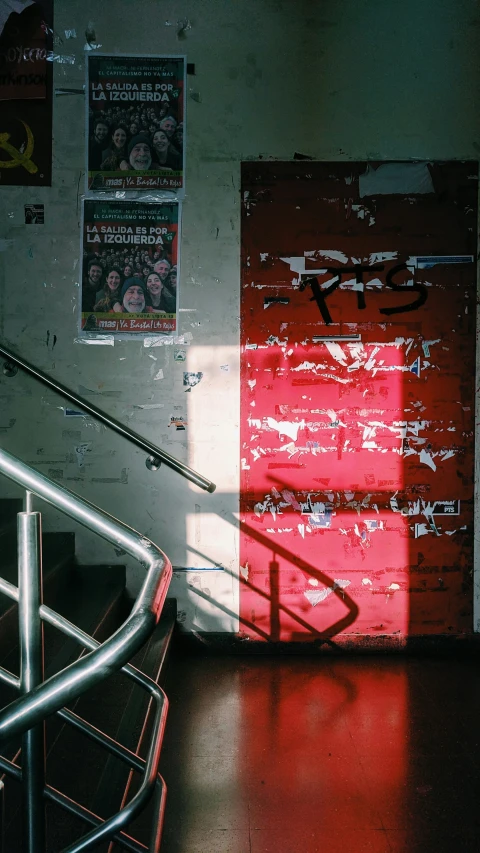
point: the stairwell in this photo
(94, 598)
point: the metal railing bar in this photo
(122, 838)
(108, 420)
(57, 621)
(138, 747)
(9, 678)
(9, 589)
(101, 661)
(158, 797)
(14, 771)
(117, 749)
(114, 824)
(11, 769)
(157, 694)
(30, 627)
(159, 810)
(117, 650)
(70, 683)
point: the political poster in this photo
(135, 123)
(129, 267)
(26, 30)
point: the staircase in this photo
(93, 598)
(96, 710)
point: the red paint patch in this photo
(364, 435)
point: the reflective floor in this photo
(298, 755)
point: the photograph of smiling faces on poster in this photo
(129, 267)
(135, 123)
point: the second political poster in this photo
(129, 267)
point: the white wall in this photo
(340, 79)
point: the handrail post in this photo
(31, 675)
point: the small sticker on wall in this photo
(446, 507)
(428, 261)
(179, 354)
(191, 379)
(80, 452)
(178, 422)
(416, 367)
(34, 214)
(73, 413)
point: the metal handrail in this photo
(49, 697)
(105, 829)
(50, 793)
(60, 689)
(156, 455)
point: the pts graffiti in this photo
(320, 295)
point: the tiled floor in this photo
(299, 755)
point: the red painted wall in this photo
(357, 455)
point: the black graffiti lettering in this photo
(358, 271)
(320, 294)
(361, 304)
(417, 287)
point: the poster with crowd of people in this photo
(129, 267)
(135, 123)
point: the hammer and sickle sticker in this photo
(18, 158)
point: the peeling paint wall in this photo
(272, 78)
(357, 414)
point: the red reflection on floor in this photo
(298, 755)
